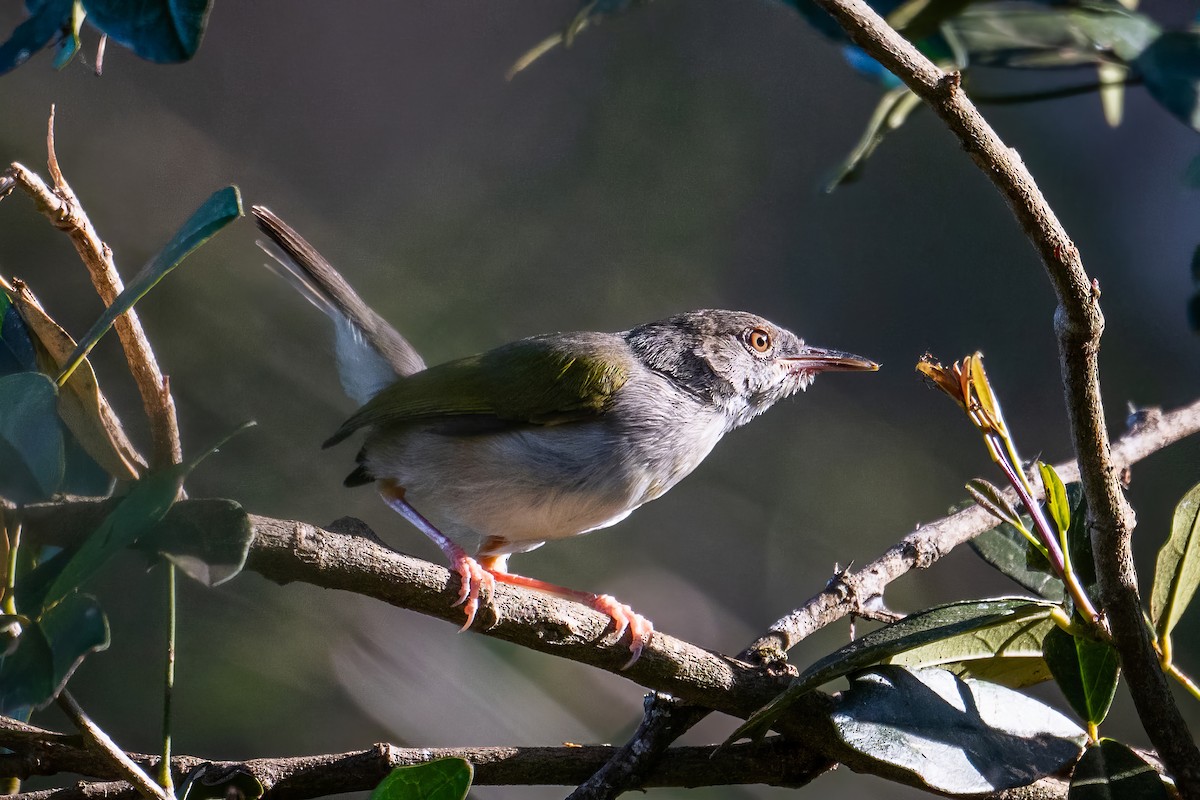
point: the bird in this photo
(546, 437)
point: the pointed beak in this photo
(818, 359)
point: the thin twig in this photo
(98, 739)
(1078, 323)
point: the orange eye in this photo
(759, 339)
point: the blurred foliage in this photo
(163, 31)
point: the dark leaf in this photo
(1111, 771)
(29, 426)
(958, 736)
(219, 210)
(1170, 68)
(444, 779)
(33, 34)
(1086, 670)
(1006, 549)
(48, 651)
(165, 31)
(16, 348)
(918, 630)
(208, 540)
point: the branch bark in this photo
(287, 551)
(1078, 324)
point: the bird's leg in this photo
(623, 617)
(474, 580)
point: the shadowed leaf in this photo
(1111, 771)
(29, 426)
(165, 31)
(33, 34)
(958, 736)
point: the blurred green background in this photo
(670, 160)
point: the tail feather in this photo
(371, 354)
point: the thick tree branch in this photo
(1078, 323)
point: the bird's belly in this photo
(514, 490)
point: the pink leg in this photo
(623, 617)
(474, 580)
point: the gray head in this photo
(738, 361)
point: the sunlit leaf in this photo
(917, 630)
(1007, 653)
(1056, 497)
(1111, 771)
(224, 206)
(1086, 670)
(958, 736)
(69, 45)
(1177, 570)
(444, 779)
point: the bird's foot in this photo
(625, 618)
(475, 582)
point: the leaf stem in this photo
(164, 766)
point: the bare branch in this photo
(60, 205)
(122, 764)
(1078, 323)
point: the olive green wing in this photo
(543, 381)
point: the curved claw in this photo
(474, 582)
(625, 618)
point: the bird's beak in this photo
(817, 359)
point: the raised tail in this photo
(371, 354)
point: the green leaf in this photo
(1177, 569)
(1170, 68)
(918, 630)
(959, 737)
(1006, 549)
(1086, 670)
(35, 33)
(1111, 771)
(1056, 497)
(444, 779)
(164, 31)
(16, 347)
(993, 501)
(29, 425)
(143, 508)
(1045, 36)
(48, 652)
(1008, 653)
(224, 206)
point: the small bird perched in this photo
(546, 437)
